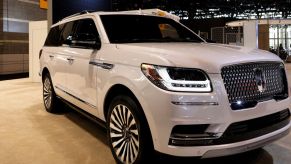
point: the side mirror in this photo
(86, 41)
(86, 44)
(97, 45)
(67, 42)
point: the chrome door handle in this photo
(102, 65)
(70, 60)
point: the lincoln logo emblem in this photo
(260, 79)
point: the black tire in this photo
(127, 132)
(50, 99)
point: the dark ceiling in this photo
(197, 9)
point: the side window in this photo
(86, 34)
(67, 33)
(53, 38)
(168, 31)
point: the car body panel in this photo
(86, 85)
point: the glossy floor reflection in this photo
(28, 134)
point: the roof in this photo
(153, 12)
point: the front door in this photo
(82, 77)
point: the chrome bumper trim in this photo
(195, 103)
(193, 137)
(246, 147)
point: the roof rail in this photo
(80, 13)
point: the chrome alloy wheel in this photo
(124, 134)
(47, 93)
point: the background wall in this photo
(37, 36)
(64, 8)
(14, 18)
(264, 37)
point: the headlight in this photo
(177, 79)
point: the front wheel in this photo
(128, 132)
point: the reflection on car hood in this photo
(210, 57)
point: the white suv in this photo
(156, 85)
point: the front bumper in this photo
(236, 132)
(240, 147)
(164, 110)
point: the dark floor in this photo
(14, 76)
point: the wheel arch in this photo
(44, 71)
(115, 90)
(120, 89)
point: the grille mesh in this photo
(240, 83)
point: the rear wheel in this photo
(49, 96)
(128, 133)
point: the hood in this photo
(208, 57)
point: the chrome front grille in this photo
(241, 83)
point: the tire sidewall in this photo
(51, 109)
(139, 119)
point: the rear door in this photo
(57, 54)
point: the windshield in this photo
(141, 28)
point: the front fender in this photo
(130, 77)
